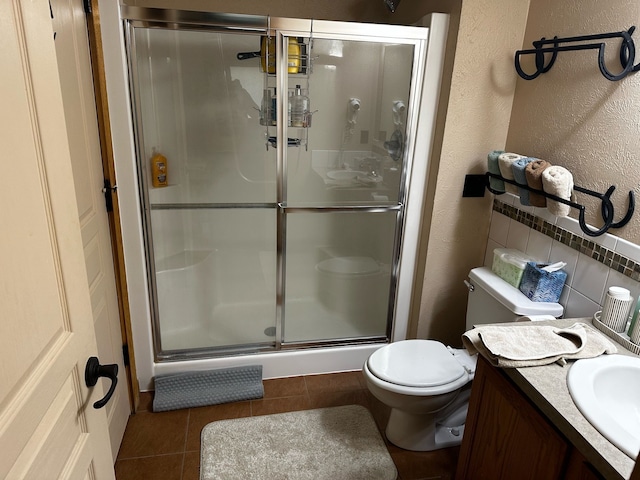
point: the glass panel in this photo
(199, 105)
(338, 275)
(215, 276)
(357, 136)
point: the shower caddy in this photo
(271, 105)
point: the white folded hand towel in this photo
(558, 181)
(505, 162)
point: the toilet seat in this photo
(417, 367)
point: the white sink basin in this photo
(344, 175)
(606, 390)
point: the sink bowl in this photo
(344, 175)
(606, 390)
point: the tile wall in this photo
(593, 263)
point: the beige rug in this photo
(340, 443)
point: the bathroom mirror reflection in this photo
(357, 140)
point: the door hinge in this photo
(125, 354)
(108, 190)
(87, 6)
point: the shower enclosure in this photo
(289, 214)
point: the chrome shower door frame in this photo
(282, 28)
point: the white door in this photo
(74, 64)
(48, 427)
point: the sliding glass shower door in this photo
(274, 160)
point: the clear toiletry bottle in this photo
(265, 110)
(634, 326)
(299, 109)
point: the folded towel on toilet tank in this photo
(525, 345)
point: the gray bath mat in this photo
(210, 387)
(340, 443)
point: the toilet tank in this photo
(492, 300)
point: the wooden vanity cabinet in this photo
(579, 468)
(506, 437)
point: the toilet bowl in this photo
(355, 286)
(423, 383)
(426, 384)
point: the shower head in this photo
(354, 108)
(392, 4)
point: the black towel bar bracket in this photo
(606, 210)
(544, 62)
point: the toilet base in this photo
(420, 432)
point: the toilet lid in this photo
(349, 265)
(415, 363)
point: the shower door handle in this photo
(93, 371)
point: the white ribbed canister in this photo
(615, 311)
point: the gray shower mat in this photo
(211, 387)
(339, 443)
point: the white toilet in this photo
(426, 384)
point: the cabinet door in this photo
(505, 436)
(579, 468)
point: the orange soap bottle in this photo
(158, 170)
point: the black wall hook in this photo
(606, 208)
(627, 53)
(630, 209)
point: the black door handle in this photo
(93, 371)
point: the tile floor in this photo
(166, 445)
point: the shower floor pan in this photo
(253, 323)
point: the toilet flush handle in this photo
(469, 286)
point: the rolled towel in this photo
(519, 176)
(505, 160)
(533, 173)
(494, 167)
(558, 181)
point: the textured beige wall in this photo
(477, 121)
(572, 116)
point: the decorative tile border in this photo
(608, 257)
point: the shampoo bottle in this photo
(158, 170)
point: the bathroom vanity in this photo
(522, 423)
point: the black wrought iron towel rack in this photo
(541, 47)
(606, 209)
